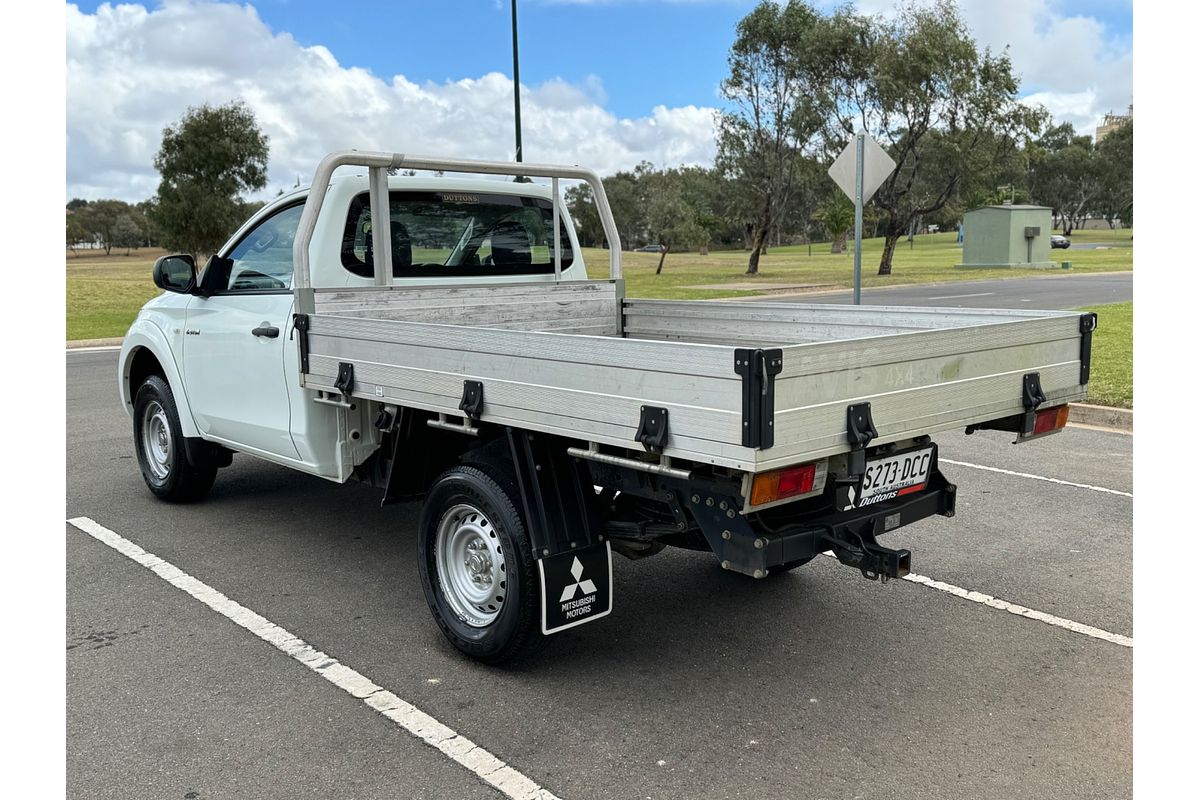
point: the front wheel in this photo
(476, 564)
(161, 452)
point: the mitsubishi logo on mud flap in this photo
(587, 586)
(576, 587)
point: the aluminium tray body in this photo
(575, 359)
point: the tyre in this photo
(477, 566)
(161, 451)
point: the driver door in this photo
(234, 344)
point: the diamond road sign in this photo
(877, 166)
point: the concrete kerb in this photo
(75, 344)
(1102, 416)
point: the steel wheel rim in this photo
(157, 445)
(470, 565)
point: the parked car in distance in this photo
(650, 248)
(1059, 242)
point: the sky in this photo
(604, 83)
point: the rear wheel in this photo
(161, 452)
(476, 564)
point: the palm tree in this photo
(838, 218)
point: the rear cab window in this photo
(457, 234)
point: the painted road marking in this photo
(1012, 608)
(1021, 611)
(99, 349)
(458, 748)
(956, 296)
(1037, 477)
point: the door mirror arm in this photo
(215, 276)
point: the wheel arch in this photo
(146, 352)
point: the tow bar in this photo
(873, 560)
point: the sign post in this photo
(858, 204)
(859, 170)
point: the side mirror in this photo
(175, 273)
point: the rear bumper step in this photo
(852, 536)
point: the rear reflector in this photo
(783, 483)
(1050, 419)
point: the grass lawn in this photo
(1112, 356)
(104, 293)
(930, 259)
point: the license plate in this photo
(895, 475)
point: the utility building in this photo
(1006, 236)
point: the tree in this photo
(838, 218)
(1114, 156)
(206, 162)
(76, 232)
(773, 87)
(945, 112)
(151, 235)
(671, 221)
(582, 205)
(1065, 174)
(127, 233)
(99, 220)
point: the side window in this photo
(263, 258)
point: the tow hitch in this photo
(873, 560)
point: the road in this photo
(1049, 292)
(701, 684)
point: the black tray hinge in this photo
(472, 400)
(1087, 324)
(860, 430)
(1032, 396)
(652, 429)
(345, 378)
(758, 369)
(300, 323)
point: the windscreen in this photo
(457, 233)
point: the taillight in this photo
(1048, 420)
(783, 483)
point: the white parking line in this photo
(956, 296)
(1021, 611)
(1012, 608)
(458, 748)
(1036, 477)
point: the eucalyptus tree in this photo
(945, 111)
(775, 111)
(207, 162)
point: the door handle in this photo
(267, 330)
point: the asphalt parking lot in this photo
(701, 683)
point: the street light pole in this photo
(516, 81)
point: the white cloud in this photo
(1071, 63)
(131, 71)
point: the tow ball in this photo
(873, 560)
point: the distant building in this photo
(1112, 122)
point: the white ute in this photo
(440, 338)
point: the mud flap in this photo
(576, 587)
